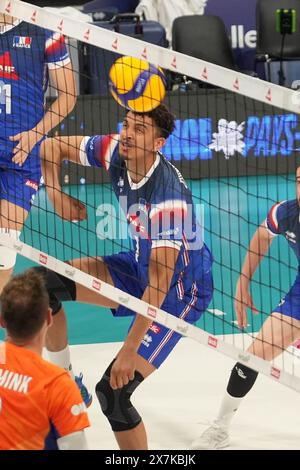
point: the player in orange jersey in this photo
(37, 399)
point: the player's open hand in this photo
(26, 141)
(123, 368)
(67, 207)
(243, 300)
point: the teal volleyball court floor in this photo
(232, 210)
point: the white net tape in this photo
(199, 69)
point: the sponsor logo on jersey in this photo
(22, 41)
(291, 237)
(76, 410)
(7, 69)
(32, 184)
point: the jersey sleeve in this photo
(167, 221)
(274, 218)
(99, 150)
(56, 51)
(67, 411)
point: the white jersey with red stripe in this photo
(159, 208)
(283, 219)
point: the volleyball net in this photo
(235, 143)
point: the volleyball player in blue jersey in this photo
(169, 266)
(279, 330)
(28, 56)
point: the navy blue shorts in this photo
(159, 340)
(19, 185)
(290, 304)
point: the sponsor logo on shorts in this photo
(213, 342)
(152, 312)
(43, 259)
(154, 328)
(275, 372)
(96, 285)
(32, 184)
(147, 340)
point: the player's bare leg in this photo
(12, 217)
(277, 334)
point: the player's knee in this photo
(59, 288)
(116, 404)
(8, 256)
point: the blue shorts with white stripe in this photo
(188, 303)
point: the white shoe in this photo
(214, 437)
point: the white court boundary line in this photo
(152, 313)
(242, 84)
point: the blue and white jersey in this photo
(27, 52)
(283, 219)
(159, 210)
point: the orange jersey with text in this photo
(33, 395)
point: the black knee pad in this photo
(116, 404)
(59, 288)
(241, 380)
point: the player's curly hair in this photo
(163, 118)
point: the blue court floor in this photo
(233, 208)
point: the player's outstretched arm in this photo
(53, 152)
(161, 268)
(64, 82)
(257, 249)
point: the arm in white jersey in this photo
(74, 441)
(53, 152)
(64, 82)
(161, 269)
(259, 246)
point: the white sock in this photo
(228, 408)
(63, 359)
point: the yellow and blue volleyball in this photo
(136, 84)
